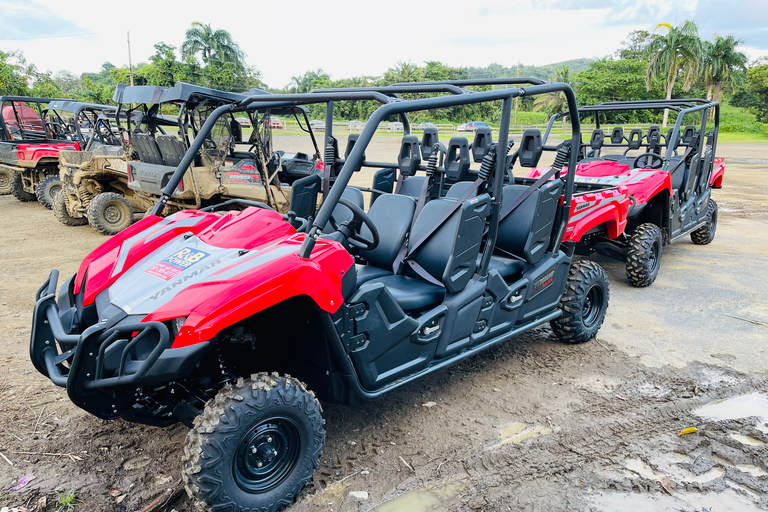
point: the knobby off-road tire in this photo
(17, 189)
(706, 233)
(62, 214)
(644, 255)
(47, 190)
(254, 446)
(109, 213)
(5, 181)
(584, 303)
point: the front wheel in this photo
(5, 181)
(584, 303)
(61, 212)
(706, 233)
(109, 213)
(48, 188)
(17, 189)
(644, 255)
(255, 445)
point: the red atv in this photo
(200, 317)
(669, 178)
(29, 146)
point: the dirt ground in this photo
(529, 425)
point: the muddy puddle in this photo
(728, 500)
(739, 407)
(437, 497)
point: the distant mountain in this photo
(543, 72)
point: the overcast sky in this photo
(354, 38)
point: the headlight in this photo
(176, 324)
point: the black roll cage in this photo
(681, 106)
(393, 106)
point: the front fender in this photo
(217, 304)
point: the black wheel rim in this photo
(653, 257)
(593, 305)
(267, 454)
(114, 214)
(5, 180)
(53, 190)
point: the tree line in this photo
(670, 62)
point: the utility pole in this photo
(130, 66)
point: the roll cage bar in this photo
(681, 106)
(4, 131)
(394, 106)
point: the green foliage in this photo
(674, 51)
(757, 82)
(615, 80)
(719, 62)
(215, 46)
(66, 502)
(634, 47)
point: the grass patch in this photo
(66, 502)
(742, 138)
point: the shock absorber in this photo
(489, 161)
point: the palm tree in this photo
(406, 72)
(679, 50)
(308, 81)
(720, 60)
(216, 46)
(555, 102)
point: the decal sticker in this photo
(176, 263)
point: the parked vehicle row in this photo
(235, 311)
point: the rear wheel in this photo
(109, 213)
(706, 233)
(47, 190)
(17, 189)
(644, 255)
(5, 181)
(61, 212)
(584, 303)
(255, 446)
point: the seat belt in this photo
(409, 247)
(562, 157)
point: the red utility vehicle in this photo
(669, 178)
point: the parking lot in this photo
(529, 425)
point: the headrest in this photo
(617, 135)
(598, 137)
(688, 133)
(482, 143)
(409, 158)
(635, 138)
(351, 141)
(530, 148)
(331, 146)
(654, 128)
(427, 141)
(457, 160)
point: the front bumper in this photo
(102, 367)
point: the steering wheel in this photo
(654, 158)
(348, 229)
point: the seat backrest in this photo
(392, 215)
(596, 142)
(525, 232)
(450, 254)
(678, 171)
(458, 189)
(617, 135)
(351, 141)
(171, 149)
(429, 139)
(635, 139)
(653, 129)
(304, 195)
(530, 148)
(688, 132)
(672, 143)
(482, 143)
(147, 148)
(409, 158)
(412, 186)
(383, 181)
(457, 159)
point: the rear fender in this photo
(592, 211)
(716, 180)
